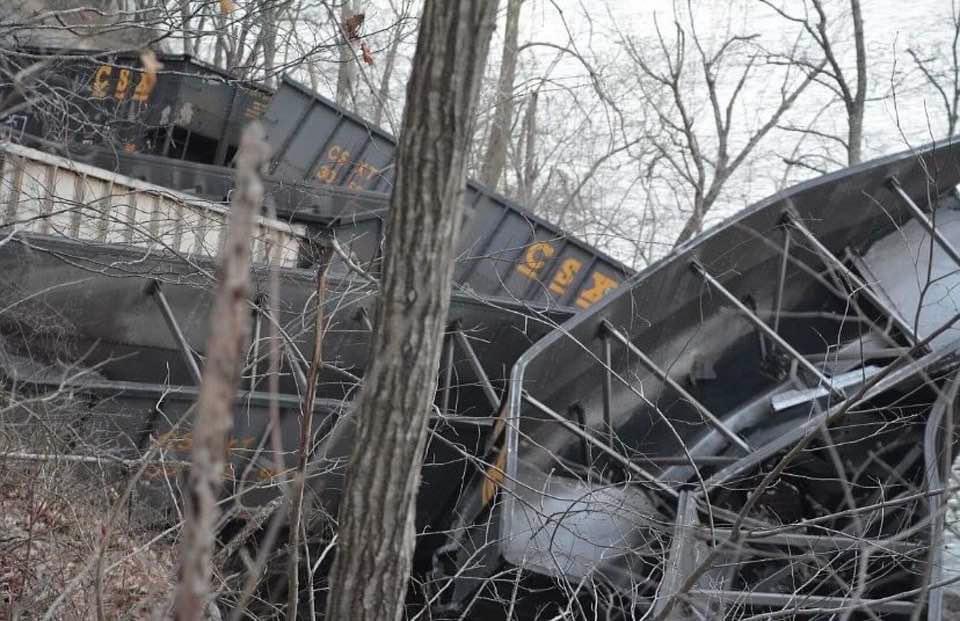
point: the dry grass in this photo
(52, 520)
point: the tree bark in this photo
(529, 141)
(376, 536)
(694, 223)
(347, 74)
(384, 92)
(495, 157)
(856, 110)
(185, 27)
(229, 334)
(268, 28)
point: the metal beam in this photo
(157, 293)
(922, 218)
(753, 318)
(603, 446)
(257, 324)
(681, 561)
(861, 287)
(835, 542)
(802, 602)
(781, 281)
(448, 372)
(669, 381)
(488, 389)
(607, 386)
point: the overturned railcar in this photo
(180, 108)
(505, 251)
(759, 423)
(332, 170)
(125, 269)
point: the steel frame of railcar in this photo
(117, 300)
(642, 326)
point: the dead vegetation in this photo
(54, 518)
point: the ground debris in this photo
(50, 530)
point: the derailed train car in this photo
(125, 269)
(691, 417)
(505, 251)
(332, 170)
(182, 108)
(757, 424)
(115, 315)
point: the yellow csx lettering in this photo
(100, 86)
(601, 284)
(362, 172)
(337, 156)
(123, 82)
(101, 81)
(535, 259)
(565, 275)
(145, 86)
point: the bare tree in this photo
(527, 167)
(397, 37)
(830, 66)
(351, 20)
(495, 157)
(697, 162)
(940, 68)
(376, 516)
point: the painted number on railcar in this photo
(337, 158)
(535, 260)
(110, 81)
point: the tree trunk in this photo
(268, 26)
(694, 223)
(347, 74)
(384, 91)
(495, 157)
(854, 137)
(529, 141)
(376, 536)
(855, 113)
(185, 27)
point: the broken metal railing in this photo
(614, 454)
(456, 338)
(488, 390)
(924, 220)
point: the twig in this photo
(306, 434)
(229, 332)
